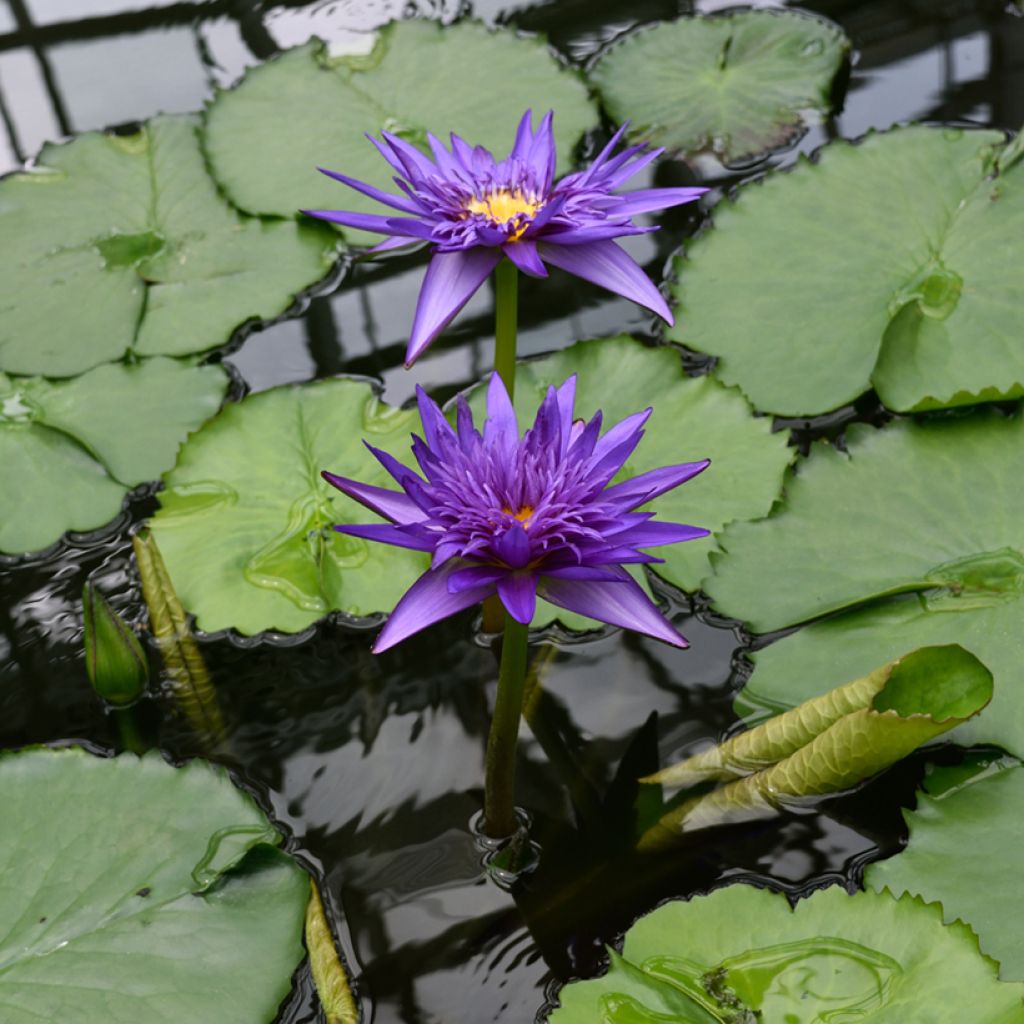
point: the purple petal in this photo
(524, 138)
(645, 200)
(384, 533)
(434, 423)
(404, 204)
(474, 576)
(608, 266)
(415, 162)
(595, 232)
(427, 601)
(388, 154)
(623, 429)
(518, 593)
(542, 152)
(652, 535)
(401, 472)
(513, 547)
(523, 253)
(648, 486)
(393, 505)
(629, 167)
(404, 226)
(598, 161)
(393, 243)
(565, 399)
(451, 280)
(623, 604)
(584, 572)
(501, 424)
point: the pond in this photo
(373, 765)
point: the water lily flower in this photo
(473, 210)
(523, 517)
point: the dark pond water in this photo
(374, 765)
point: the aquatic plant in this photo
(474, 210)
(518, 517)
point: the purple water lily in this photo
(523, 518)
(474, 209)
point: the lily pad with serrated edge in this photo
(966, 835)
(121, 243)
(71, 450)
(742, 951)
(137, 891)
(734, 84)
(694, 418)
(879, 264)
(420, 77)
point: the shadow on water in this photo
(373, 765)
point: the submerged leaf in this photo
(134, 891)
(895, 276)
(831, 743)
(119, 244)
(735, 83)
(77, 447)
(742, 955)
(318, 110)
(966, 836)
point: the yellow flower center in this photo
(501, 206)
(523, 515)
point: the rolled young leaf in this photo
(923, 694)
(332, 985)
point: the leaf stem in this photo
(506, 302)
(499, 780)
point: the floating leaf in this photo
(894, 276)
(245, 520)
(134, 891)
(694, 418)
(318, 110)
(743, 954)
(75, 448)
(964, 852)
(190, 683)
(914, 507)
(734, 84)
(121, 243)
(328, 971)
(830, 743)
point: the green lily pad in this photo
(316, 110)
(244, 524)
(743, 954)
(75, 448)
(733, 84)
(828, 744)
(134, 891)
(894, 276)
(924, 507)
(964, 851)
(121, 243)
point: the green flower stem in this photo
(506, 284)
(500, 773)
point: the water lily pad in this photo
(742, 954)
(136, 891)
(980, 813)
(694, 418)
(245, 520)
(73, 449)
(420, 77)
(828, 744)
(926, 507)
(881, 264)
(121, 243)
(734, 84)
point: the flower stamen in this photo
(502, 206)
